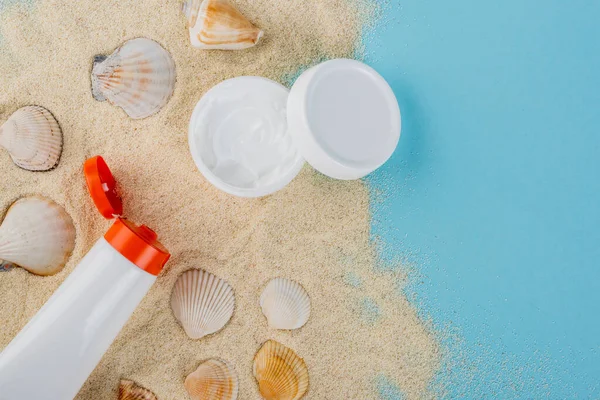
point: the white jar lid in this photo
(249, 136)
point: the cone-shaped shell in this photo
(285, 303)
(129, 390)
(280, 373)
(217, 24)
(139, 77)
(213, 380)
(38, 235)
(33, 138)
(202, 303)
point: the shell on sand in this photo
(38, 235)
(139, 77)
(33, 138)
(281, 374)
(129, 390)
(217, 24)
(202, 303)
(285, 303)
(214, 379)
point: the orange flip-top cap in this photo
(138, 244)
(102, 187)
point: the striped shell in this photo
(129, 390)
(281, 374)
(38, 235)
(33, 138)
(202, 303)
(139, 77)
(285, 303)
(217, 24)
(213, 380)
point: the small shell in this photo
(33, 138)
(213, 380)
(202, 303)
(37, 234)
(217, 24)
(129, 390)
(139, 77)
(280, 373)
(285, 304)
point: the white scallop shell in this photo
(202, 303)
(139, 77)
(217, 24)
(38, 235)
(285, 303)
(33, 138)
(280, 372)
(213, 380)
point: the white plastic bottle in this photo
(53, 355)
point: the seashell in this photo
(281, 374)
(285, 303)
(38, 235)
(213, 380)
(217, 24)
(202, 303)
(139, 77)
(33, 138)
(129, 390)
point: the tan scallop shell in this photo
(285, 303)
(33, 138)
(217, 24)
(129, 390)
(281, 374)
(202, 303)
(139, 77)
(213, 380)
(38, 235)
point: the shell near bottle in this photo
(38, 235)
(217, 24)
(139, 77)
(202, 303)
(214, 379)
(129, 390)
(33, 138)
(281, 374)
(285, 304)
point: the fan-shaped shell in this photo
(37, 234)
(281, 374)
(217, 24)
(202, 303)
(33, 138)
(129, 390)
(139, 77)
(213, 380)
(285, 303)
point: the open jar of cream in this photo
(250, 136)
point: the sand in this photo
(315, 231)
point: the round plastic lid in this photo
(138, 244)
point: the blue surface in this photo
(496, 186)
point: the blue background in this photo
(493, 192)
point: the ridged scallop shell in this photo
(285, 303)
(217, 24)
(38, 235)
(139, 77)
(213, 380)
(281, 374)
(202, 303)
(33, 138)
(129, 390)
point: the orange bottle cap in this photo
(138, 244)
(102, 187)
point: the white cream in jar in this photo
(239, 137)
